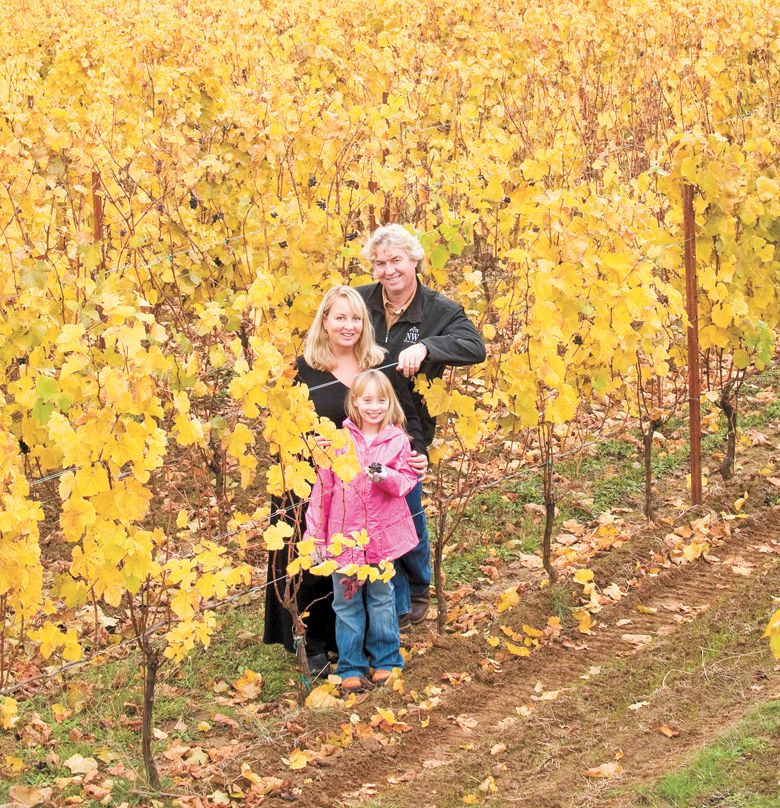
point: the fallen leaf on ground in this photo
(636, 639)
(638, 705)
(248, 687)
(323, 697)
(547, 695)
(606, 770)
(583, 576)
(225, 720)
(435, 763)
(464, 722)
(406, 777)
(28, 796)
(584, 621)
(497, 749)
(81, 765)
(613, 592)
(488, 785)
(669, 731)
(507, 599)
(299, 758)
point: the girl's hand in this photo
(418, 463)
(323, 443)
(376, 472)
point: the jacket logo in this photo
(412, 335)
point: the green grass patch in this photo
(738, 770)
(462, 566)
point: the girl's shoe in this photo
(354, 684)
(380, 677)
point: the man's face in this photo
(395, 270)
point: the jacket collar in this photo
(413, 313)
(385, 435)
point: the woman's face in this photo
(343, 326)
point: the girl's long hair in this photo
(316, 350)
(395, 414)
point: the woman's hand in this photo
(418, 463)
(410, 359)
(321, 442)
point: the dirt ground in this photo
(680, 656)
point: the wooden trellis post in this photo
(692, 309)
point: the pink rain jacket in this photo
(380, 508)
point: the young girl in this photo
(367, 632)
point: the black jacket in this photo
(436, 321)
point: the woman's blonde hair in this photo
(395, 414)
(316, 350)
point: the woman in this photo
(339, 345)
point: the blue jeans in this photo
(413, 570)
(367, 631)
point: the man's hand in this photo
(410, 359)
(418, 463)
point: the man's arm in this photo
(459, 342)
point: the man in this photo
(423, 331)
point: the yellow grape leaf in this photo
(346, 467)
(740, 503)
(299, 758)
(494, 642)
(13, 765)
(583, 576)
(531, 632)
(275, 535)
(722, 315)
(306, 546)
(8, 712)
(507, 599)
(325, 568)
(249, 685)
(695, 549)
(584, 621)
(773, 633)
(384, 714)
(517, 650)
(324, 697)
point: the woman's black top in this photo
(329, 397)
(315, 593)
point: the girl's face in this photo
(373, 406)
(343, 326)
